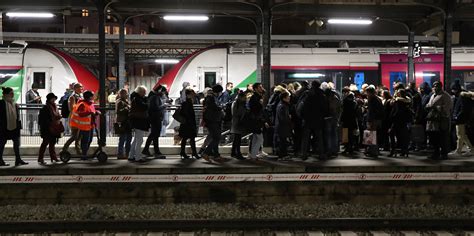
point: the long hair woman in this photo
(10, 125)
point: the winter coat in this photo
(156, 108)
(213, 113)
(283, 125)
(47, 115)
(122, 110)
(274, 101)
(188, 128)
(401, 113)
(238, 113)
(314, 108)
(375, 109)
(139, 112)
(349, 111)
(257, 114)
(462, 108)
(442, 100)
(334, 104)
(4, 133)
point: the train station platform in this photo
(354, 179)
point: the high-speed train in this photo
(343, 67)
(51, 69)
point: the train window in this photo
(39, 78)
(396, 77)
(431, 76)
(466, 77)
(209, 79)
(359, 79)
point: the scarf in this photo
(11, 115)
(55, 116)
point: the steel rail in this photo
(354, 224)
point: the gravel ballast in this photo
(15, 213)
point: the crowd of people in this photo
(297, 119)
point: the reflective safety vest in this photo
(81, 122)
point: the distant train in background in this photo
(50, 68)
(210, 66)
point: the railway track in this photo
(276, 227)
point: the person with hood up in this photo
(401, 116)
(156, 113)
(212, 116)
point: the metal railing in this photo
(30, 134)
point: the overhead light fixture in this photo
(186, 18)
(167, 61)
(350, 21)
(30, 14)
(306, 75)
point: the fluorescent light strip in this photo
(185, 18)
(350, 21)
(166, 61)
(425, 74)
(30, 14)
(307, 75)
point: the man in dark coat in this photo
(375, 115)
(312, 110)
(283, 126)
(213, 120)
(156, 111)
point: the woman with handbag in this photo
(51, 128)
(122, 124)
(10, 125)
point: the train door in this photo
(41, 76)
(210, 76)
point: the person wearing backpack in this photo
(75, 133)
(64, 106)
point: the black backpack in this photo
(65, 108)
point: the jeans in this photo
(32, 119)
(86, 141)
(67, 129)
(52, 152)
(124, 140)
(403, 138)
(463, 139)
(331, 135)
(215, 133)
(16, 147)
(135, 149)
(318, 134)
(236, 145)
(153, 137)
(257, 142)
(75, 137)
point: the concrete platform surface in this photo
(174, 165)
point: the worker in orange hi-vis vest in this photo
(83, 117)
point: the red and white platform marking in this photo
(208, 178)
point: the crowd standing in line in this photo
(299, 119)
